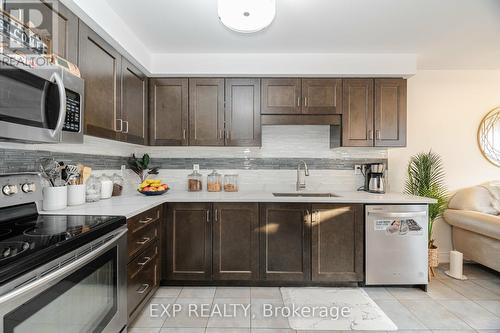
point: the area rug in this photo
(333, 309)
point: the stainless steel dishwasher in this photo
(396, 244)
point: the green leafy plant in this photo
(140, 166)
(425, 178)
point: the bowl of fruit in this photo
(152, 187)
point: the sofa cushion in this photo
(476, 198)
(484, 224)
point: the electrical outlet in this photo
(357, 169)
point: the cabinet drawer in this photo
(143, 277)
(143, 237)
(144, 219)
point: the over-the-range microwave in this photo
(43, 104)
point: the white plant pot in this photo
(55, 198)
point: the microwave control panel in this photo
(72, 121)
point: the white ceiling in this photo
(446, 34)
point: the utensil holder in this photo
(76, 195)
(55, 198)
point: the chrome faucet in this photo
(301, 180)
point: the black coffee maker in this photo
(374, 177)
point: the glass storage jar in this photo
(106, 186)
(195, 183)
(117, 185)
(93, 189)
(214, 182)
(231, 183)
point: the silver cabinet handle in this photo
(298, 101)
(184, 134)
(208, 216)
(126, 127)
(143, 241)
(221, 134)
(370, 134)
(147, 259)
(146, 220)
(377, 134)
(143, 288)
(119, 121)
(216, 215)
(305, 101)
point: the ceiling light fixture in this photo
(246, 16)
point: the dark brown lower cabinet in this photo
(189, 241)
(337, 243)
(144, 263)
(235, 241)
(285, 242)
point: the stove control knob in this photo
(9, 190)
(28, 187)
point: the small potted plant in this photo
(140, 166)
(425, 177)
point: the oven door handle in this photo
(401, 214)
(62, 104)
(62, 272)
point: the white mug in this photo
(76, 195)
(55, 198)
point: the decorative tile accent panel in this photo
(15, 160)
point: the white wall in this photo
(445, 109)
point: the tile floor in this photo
(448, 306)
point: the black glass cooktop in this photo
(28, 240)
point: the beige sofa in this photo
(474, 216)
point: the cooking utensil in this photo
(50, 170)
(87, 171)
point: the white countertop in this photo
(133, 204)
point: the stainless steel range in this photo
(58, 273)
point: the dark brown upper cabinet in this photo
(235, 241)
(206, 112)
(357, 119)
(188, 241)
(337, 243)
(168, 112)
(281, 96)
(322, 96)
(374, 113)
(301, 96)
(390, 112)
(134, 103)
(242, 115)
(100, 66)
(285, 242)
(58, 24)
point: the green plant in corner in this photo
(140, 165)
(425, 178)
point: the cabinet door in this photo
(390, 112)
(281, 96)
(322, 96)
(337, 242)
(100, 66)
(206, 112)
(243, 112)
(189, 255)
(53, 21)
(285, 242)
(236, 241)
(168, 105)
(133, 106)
(357, 118)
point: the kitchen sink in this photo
(307, 194)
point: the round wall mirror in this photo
(488, 136)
